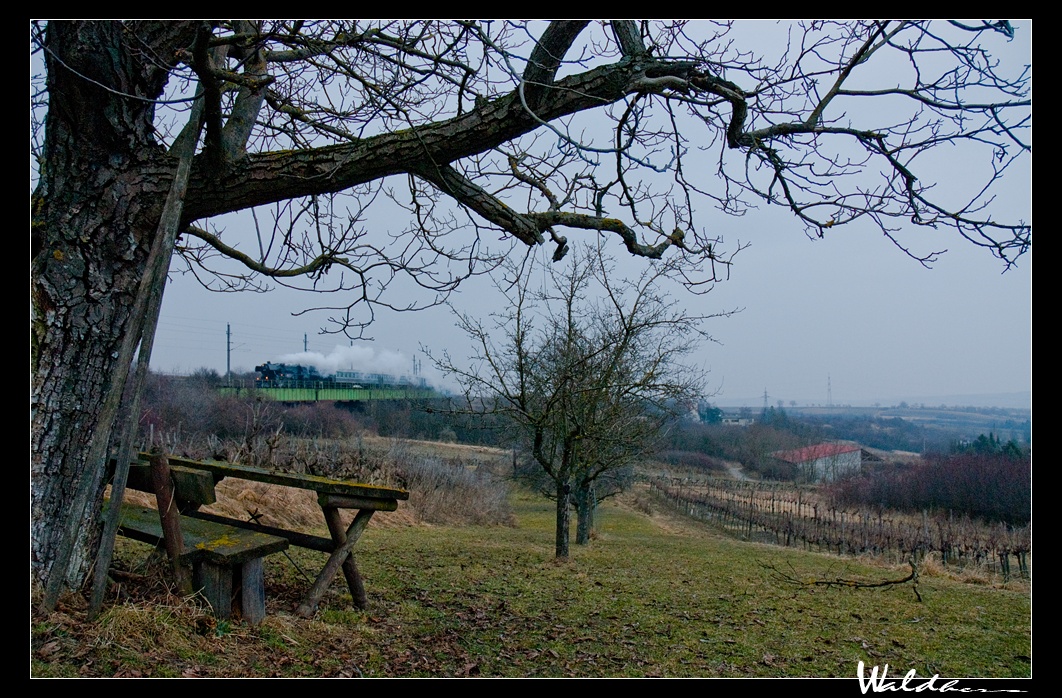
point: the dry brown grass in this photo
(453, 451)
(453, 486)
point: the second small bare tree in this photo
(589, 370)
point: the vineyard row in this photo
(799, 516)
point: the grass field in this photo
(651, 596)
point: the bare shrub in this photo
(189, 418)
(320, 419)
(995, 487)
(193, 406)
(692, 459)
(449, 491)
(441, 490)
(643, 502)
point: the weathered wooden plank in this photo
(252, 591)
(303, 540)
(297, 480)
(233, 545)
(340, 501)
(215, 580)
(196, 486)
(202, 539)
(142, 524)
(170, 519)
(350, 565)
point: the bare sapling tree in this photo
(471, 139)
(588, 368)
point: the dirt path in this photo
(735, 471)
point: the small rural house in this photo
(823, 462)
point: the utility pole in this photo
(305, 343)
(228, 354)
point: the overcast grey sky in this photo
(851, 312)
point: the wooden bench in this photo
(182, 485)
(332, 495)
(227, 562)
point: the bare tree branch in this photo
(792, 577)
(492, 138)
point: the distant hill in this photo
(1017, 400)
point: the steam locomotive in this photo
(272, 375)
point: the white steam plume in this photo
(364, 358)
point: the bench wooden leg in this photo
(224, 585)
(216, 582)
(338, 557)
(252, 591)
(350, 566)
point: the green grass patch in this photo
(643, 599)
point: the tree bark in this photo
(95, 210)
(564, 504)
(585, 506)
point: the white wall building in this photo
(823, 462)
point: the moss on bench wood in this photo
(202, 539)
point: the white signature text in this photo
(911, 682)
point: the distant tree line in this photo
(990, 444)
(887, 433)
(993, 486)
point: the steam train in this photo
(272, 375)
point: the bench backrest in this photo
(193, 486)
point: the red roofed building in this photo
(823, 462)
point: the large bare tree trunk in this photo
(95, 209)
(82, 329)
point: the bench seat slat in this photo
(303, 540)
(202, 539)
